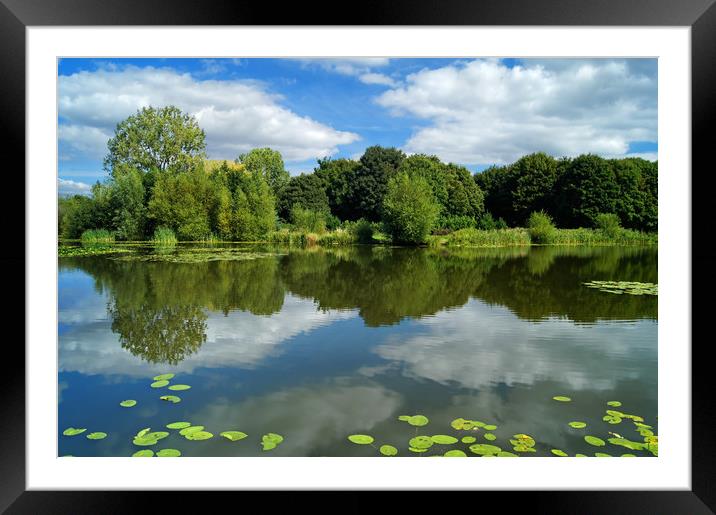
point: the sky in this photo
(473, 112)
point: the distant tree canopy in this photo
(159, 177)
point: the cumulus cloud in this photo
(67, 188)
(376, 78)
(483, 111)
(237, 115)
(347, 65)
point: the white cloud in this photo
(349, 65)
(67, 187)
(482, 111)
(376, 78)
(236, 115)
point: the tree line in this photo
(159, 178)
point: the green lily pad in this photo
(361, 439)
(233, 435)
(418, 420)
(191, 429)
(484, 449)
(593, 440)
(505, 454)
(561, 398)
(444, 439)
(178, 425)
(388, 450)
(72, 431)
(611, 419)
(615, 404)
(156, 435)
(455, 453)
(143, 441)
(523, 439)
(634, 446)
(469, 439)
(99, 435)
(523, 448)
(628, 456)
(577, 425)
(271, 441)
(415, 449)
(179, 387)
(602, 455)
(170, 398)
(489, 427)
(580, 456)
(490, 437)
(128, 403)
(199, 435)
(615, 413)
(163, 377)
(168, 453)
(159, 384)
(421, 442)
(404, 418)
(144, 453)
(559, 452)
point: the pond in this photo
(319, 344)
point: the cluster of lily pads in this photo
(147, 438)
(621, 287)
(90, 250)
(520, 444)
(197, 255)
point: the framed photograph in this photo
(309, 256)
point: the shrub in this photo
(308, 220)
(97, 236)
(541, 228)
(164, 236)
(409, 209)
(455, 222)
(608, 224)
(486, 222)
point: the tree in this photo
(497, 183)
(163, 139)
(409, 209)
(76, 214)
(535, 178)
(370, 181)
(337, 176)
(306, 191)
(127, 200)
(269, 164)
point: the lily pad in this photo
(361, 439)
(634, 446)
(178, 425)
(191, 429)
(271, 441)
(199, 435)
(469, 439)
(233, 435)
(444, 439)
(421, 442)
(559, 452)
(602, 455)
(170, 398)
(159, 384)
(179, 387)
(418, 420)
(593, 440)
(156, 435)
(415, 449)
(484, 449)
(490, 437)
(163, 377)
(168, 453)
(388, 450)
(72, 431)
(577, 425)
(505, 454)
(561, 398)
(489, 427)
(98, 435)
(615, 404)
(144, 453)
(404, 418)
(143, 441)
(455, 453)
(143, 432)
(128, 403)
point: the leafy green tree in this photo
(433, 171)
(409, 209)
(254, 208)
(464, 196)
(497, 183)
(337, 176)
(370, 181)
(306, 191)
(587, 187)
(541, 227)
(128, 210)
(163, 139)
(76, 214)
(269, 164)
(535, 178)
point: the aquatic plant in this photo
(621, 287)
(128, 403)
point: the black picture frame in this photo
(700, 15)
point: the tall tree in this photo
(269, 164)
(337, 176)
(370, 181)
(306, 191)
(409, 209)
(163, 139)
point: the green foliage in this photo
(308, 220)
(455, 222)
(75, 215)
(541, 228)
(97, 236)
(306, 191)
(337, 176)
(369, 182)
(268, 164)
(164, 236)
(534, 181)
(410, 210)
(608, 223)
(163, 139)
(482, 238)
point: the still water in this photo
(319, 344)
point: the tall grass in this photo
(164, 236)
(94, 236)
(479, 238)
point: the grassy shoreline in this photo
(514, 237)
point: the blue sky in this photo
(475, 112)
